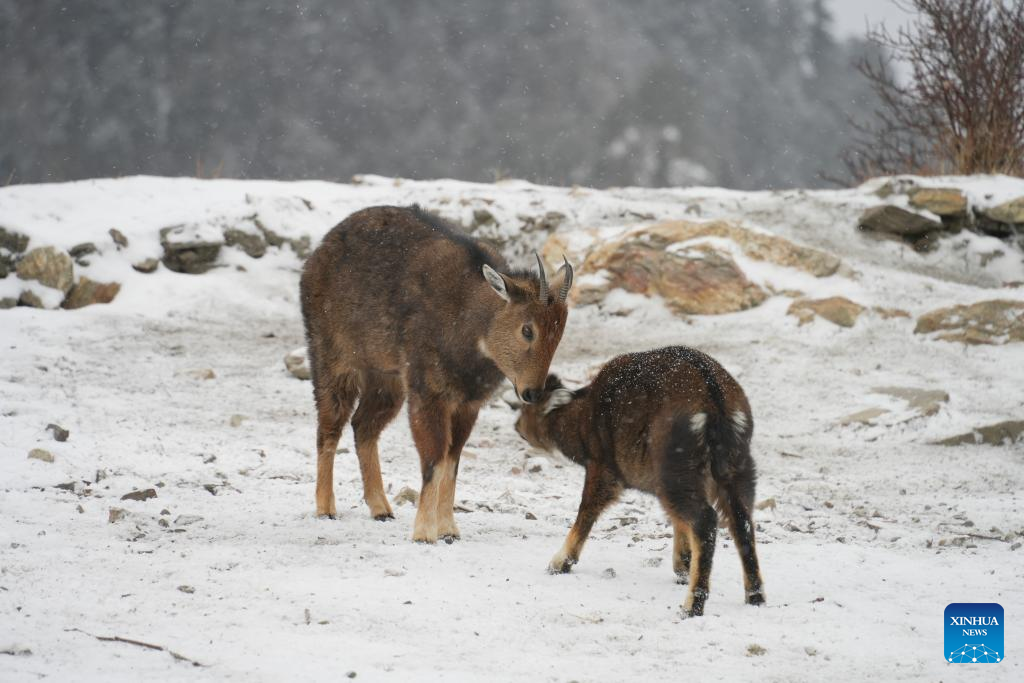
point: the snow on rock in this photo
(866, 529)
(987, 322)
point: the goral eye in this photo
(527, 333)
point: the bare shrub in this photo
(959, 105)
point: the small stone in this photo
(536, 464)
(118, 237)
(201, 373)
(811, 652)
(608, 573)
(187, 589)
(148, 265)
(251, 243)
(236, 420)
(116, 515)
(81, 250)
(837, 310)
(530, 515)
(755, 650)
(59, 433)
(144, 494)
(163, 523)
(40, 454)
(406, 495)
(351, 674)
(185, 520)
(864, 417)
(297, 363)
(889, 313)
(482, 217)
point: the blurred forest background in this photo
(736, 93)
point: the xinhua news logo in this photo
(974, 633)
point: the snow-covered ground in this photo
(866, 534)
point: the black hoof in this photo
(449, 538)
(683, 579)
(385, 517)
(756, 599)
(326, 516)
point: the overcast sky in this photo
(851, 15)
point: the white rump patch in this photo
(559, 398)
(697, 422)
(739, 418)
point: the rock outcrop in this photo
(999, 321)
(998, 434)
(684, 263)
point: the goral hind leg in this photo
(335, 397)
(381, 398)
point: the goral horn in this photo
(567, 282)
(543, 280)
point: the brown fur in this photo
(396, 306)
(671, 422)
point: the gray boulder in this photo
(189, 249)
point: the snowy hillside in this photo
(885, 371)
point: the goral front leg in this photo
(600, 489)
(430, 422)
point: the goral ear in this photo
(559, 398)
(497, 282)
(552, 383)
(561, 283)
